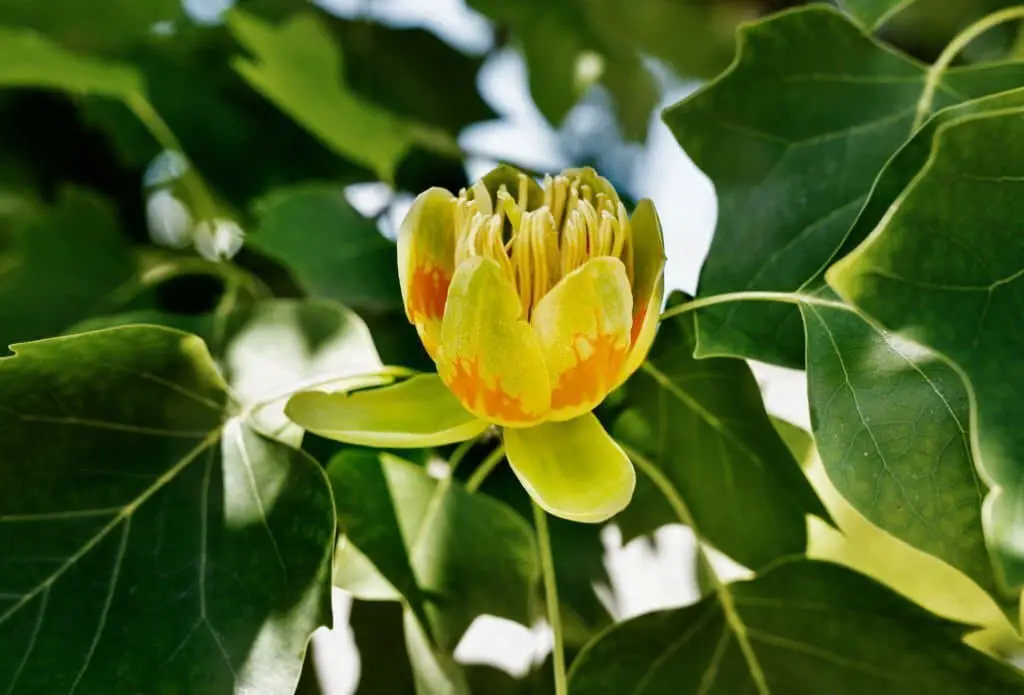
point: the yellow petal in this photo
(648, 283)
(583, 326)
(489, 356)
(572, 469)
(419, 412)
(426, 261)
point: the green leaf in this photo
(810, 627)
(558, 39)
(30, 60)
(911, 158)
(100, 26)
(434, 670)
(331, 249)
(703, 425)
(943, 269)
(578, 555)
(58, 265)
(873, 13)
(469, 554)
(792, 172)
(149, 537)
(412, 59)
(891, 422)
(275, 347)
(298, 66)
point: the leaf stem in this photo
(952, 49)
(162, 133)
(485, 468)
(547, 563)
(725, 596)
(754, 296)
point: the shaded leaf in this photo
(331, 249)
(128, 491)
(298, 66)
(793, 172)
(58, 265)
(470, 554)
(811, 627)
(703, 424)
(943, 269)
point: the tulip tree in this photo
(210, 436)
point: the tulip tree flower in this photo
(534, 301)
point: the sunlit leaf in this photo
(298, 66)
(129, 491)
(892, 426)
(30, 60)
(943, 269)
(276, 347)
(805, 628)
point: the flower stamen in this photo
(536, 248)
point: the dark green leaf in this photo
(29, 60)
(379, 636)
(873, 13)
(703, 424)
(557, 39)
(578, 555)
(908, 161)
(470, 554)
(426, 79)
(331, 249)
(811, 628)
(58, 265)
(95, 26)
(149, 540)
(792, 172)
(943, 269)
(298, 66)
(891, 423)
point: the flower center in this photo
(537, 248)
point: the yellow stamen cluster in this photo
(536, 248)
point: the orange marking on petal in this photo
(590, 379)
(428, 292)
(638, 323)
(491, 402)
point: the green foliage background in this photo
(178, 256)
